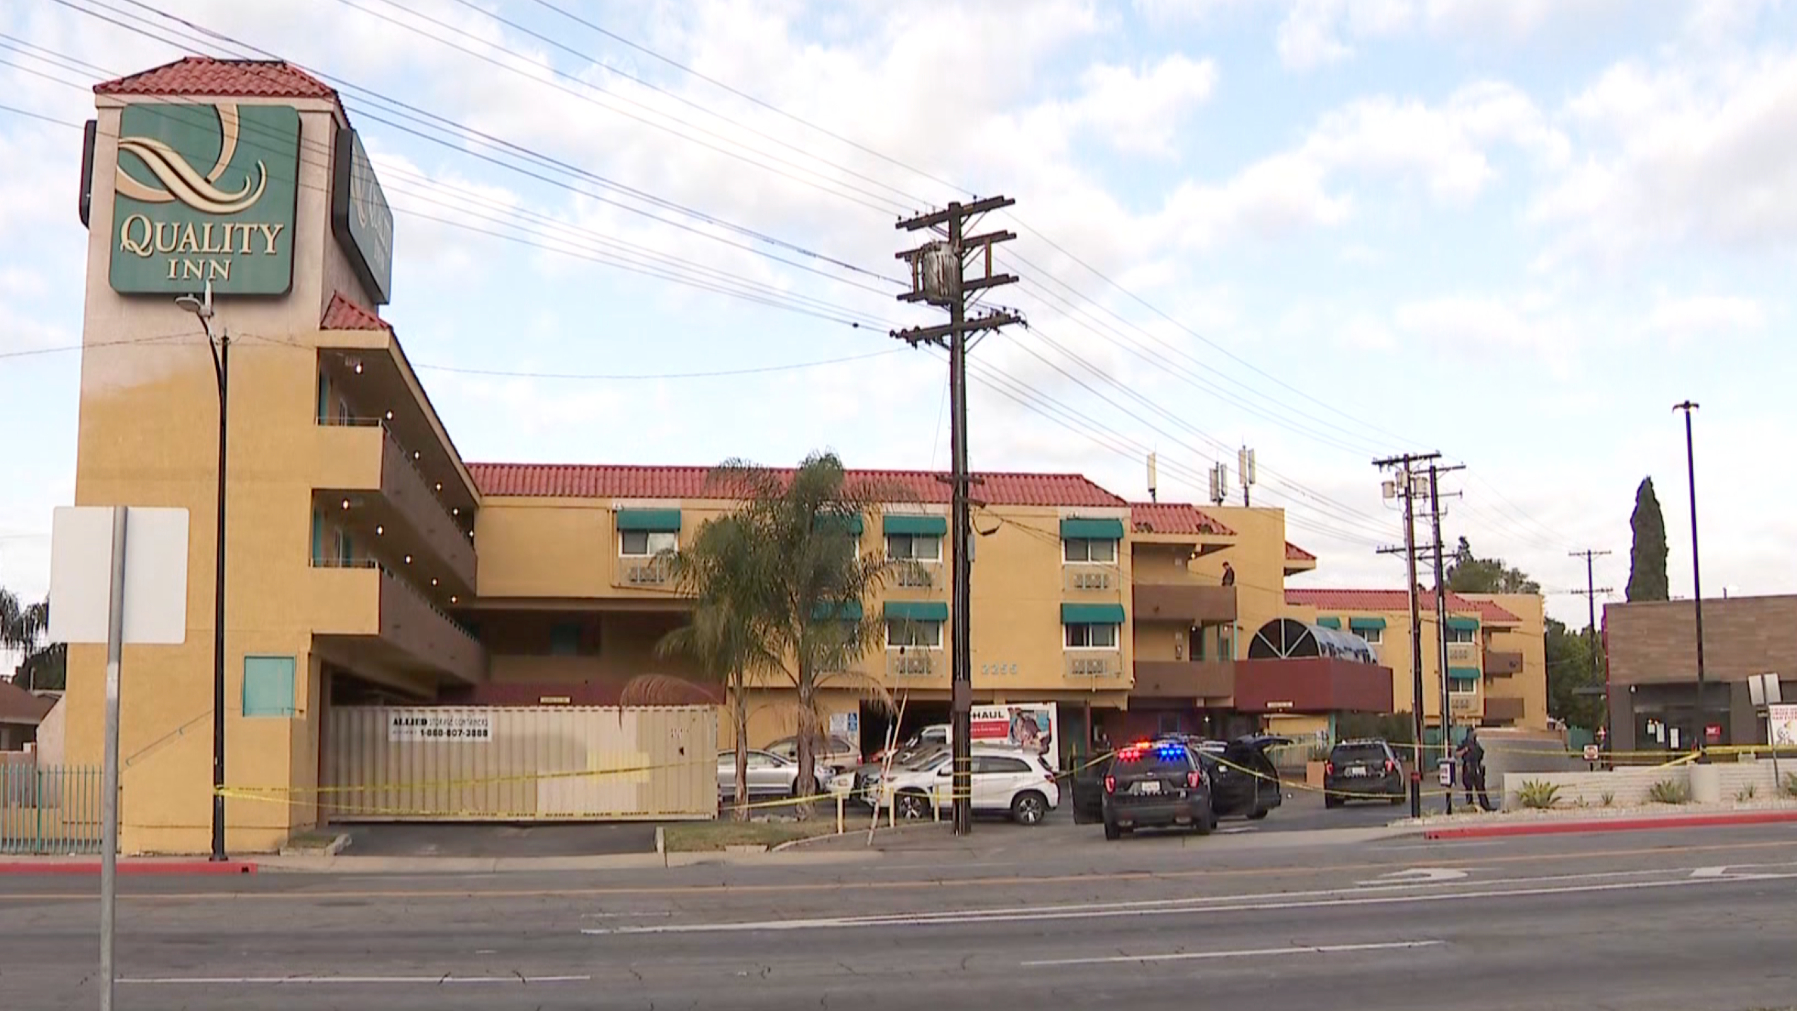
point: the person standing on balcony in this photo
(1228, 574)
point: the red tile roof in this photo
(630, 481)
(1394, 600)
(20, 706)
(205, 76)
(1294, 553)
(343, 314)
(1174, 518)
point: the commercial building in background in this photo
(1651, 649)
(1497, 650)
(369, 566)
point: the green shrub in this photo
(1537, 794)
(1746, 793)
(1790, 784)
(1668, 791)
(1608, 797)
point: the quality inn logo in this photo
(181, 182)
(205, 193)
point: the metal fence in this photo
(47, 809)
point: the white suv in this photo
(1005, 780)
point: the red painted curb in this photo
(129, 867)
(1614, 825)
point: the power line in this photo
(622, 377)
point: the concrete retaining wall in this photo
(1630, 786)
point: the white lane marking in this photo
(1355, 897)
(1709, 872)
(301, 980)
(1319, 949)
(1418, 875)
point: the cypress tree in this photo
(1647, 558)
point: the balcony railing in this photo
(1463, 703)
(1103, 579)
(1191, 603)
(914, 664)
(413, 495)
(1210, 679)
(1501, 664)
(644, 572)
(411, 622)
(1463, 654)
(917, 575)
(1096, 666)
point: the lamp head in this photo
(200, 306)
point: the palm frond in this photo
(666, 690)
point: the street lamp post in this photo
(1696, 575)
(219, 344)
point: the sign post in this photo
(1781, 721)
(118, 575)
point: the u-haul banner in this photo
(1025, 724)
(426, 725)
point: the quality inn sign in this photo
(205, 193)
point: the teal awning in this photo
(1091, 530)
(1360, 623)
(659, 521)
(916, 610)
(1091, 614)
(1463, 624)
(1335, 623)
(915, 525)
(1463, 673)
(847, 523)
(844, 610)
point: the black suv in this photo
(1364, 770)
(1157, 785)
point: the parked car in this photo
(1006, 780)
(932, 736)
(1234, 792)
(1157, 784)
(1366, 769)
(839, 753)
(769, 775)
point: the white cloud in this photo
(1462, 326)
(1705, 317)
(1314, 33)
(1139, 111)
(1673, 157)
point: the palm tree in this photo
(22, 626)
(723, 568)
(813, 582)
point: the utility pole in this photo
(1441, 616)
(1590, 593)
(1404, 486)
(939, 278)
(219, 344)
(1696, 579)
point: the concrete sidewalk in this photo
(90, 866)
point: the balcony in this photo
(918, 581)
(1464, 703)
(1463, 654)
(384, 623)
(1184, 679)
(404, 500)
(1502, 665)
(1503, 708)
(1095, 667)
(1187, 603)
(642, 572)
(1084, 580)
(915, 665)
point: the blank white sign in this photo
(155, 575)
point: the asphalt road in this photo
(1698, 921)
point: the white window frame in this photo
(1067, 635)
(668, 541)
(1373, 636)
(1068, 542)
(1462, 636)
(935, 539)
(936, 625)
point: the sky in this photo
(1515, 232)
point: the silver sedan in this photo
(769, 775)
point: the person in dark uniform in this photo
(1228, 574)
(1472, 769)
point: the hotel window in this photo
(914, 547)
(1373, 636)
(1081, 549)
(913, 634)
(646, 543)
(1459, 635)
(1083, 636)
